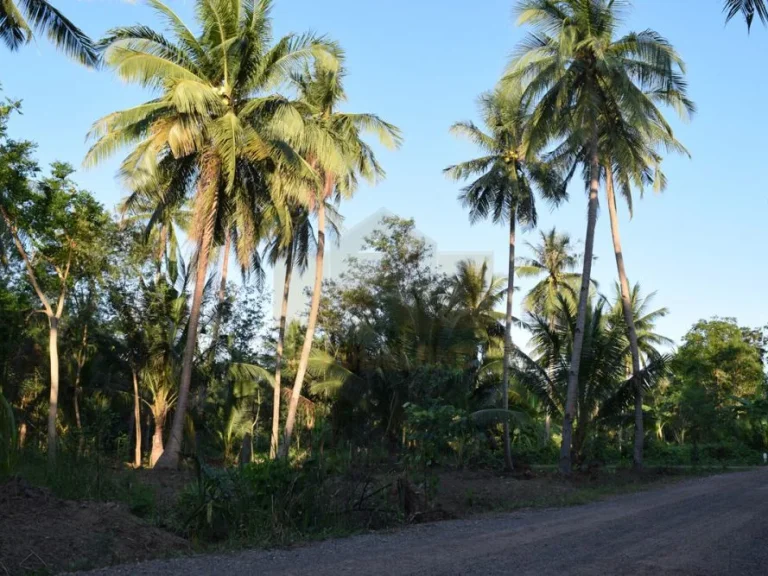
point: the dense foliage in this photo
(117, 343)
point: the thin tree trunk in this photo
(22, 434)
(160, 253)
(578, 338)
(53, 403)
(170, 457)
(221, 297)
(552, 367)
(313, 310)
(157, 441)
(279, 354)
(76, 394)
(136, 420)
(508, 464)
(629, 319)
(147, 425)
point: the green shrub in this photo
(259, 503)
(712, 454)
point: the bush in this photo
(262, 503)
(713, 454)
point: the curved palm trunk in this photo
(279, 354)
(136, 420)
(170, 456)
(578, 339)
(53, 402)
(508, 465)
(629, 318)
(290, 420)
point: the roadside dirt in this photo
(41, 534)
(701, 527)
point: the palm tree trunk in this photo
(157, 441)
(629, 318)
(221, 296)
(290, 420)
(279, 354)
(170, 456)
(136, 420)
(53, 403)
(578, 337)
(552, 367)
(508, 464)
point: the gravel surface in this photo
(705, 526)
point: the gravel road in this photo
(705, 526)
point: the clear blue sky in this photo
(421, 64)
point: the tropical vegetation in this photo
(144, 337)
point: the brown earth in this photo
(40, 533)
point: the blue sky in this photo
(421, 64)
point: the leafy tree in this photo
(18, 17)
(343, 159)
(578, 76)
(213, 134)
(392, 333)
(716, 356)
(504, 190)
(58, 231)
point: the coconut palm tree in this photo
(748, 9)
(17, 18)
(160, 228)
(503, 191)
(292, 237)
(475, 295)
(645, 320)
(213, 134)
(345, 157)
(631, 161)
(579, 77)
(605, 390)
(553, 258)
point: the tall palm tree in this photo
(579, 77)
(17, 18)
(503, 191)
(345, 158)
(292, 237)
(748, 9)
(605, 391)
(630, 159)
(214, 132)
